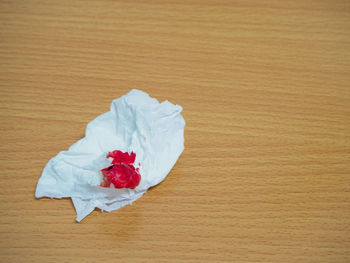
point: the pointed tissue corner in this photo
(124, 152)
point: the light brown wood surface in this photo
(265, 87)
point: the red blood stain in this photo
(122, 173)
(120, 157)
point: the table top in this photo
(264, 86)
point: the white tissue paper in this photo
(135, 123)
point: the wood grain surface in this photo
(265, 176)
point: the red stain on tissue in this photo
(122, 173)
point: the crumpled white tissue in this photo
(135, 123)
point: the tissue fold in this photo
(135, 123)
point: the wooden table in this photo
(265, 176)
